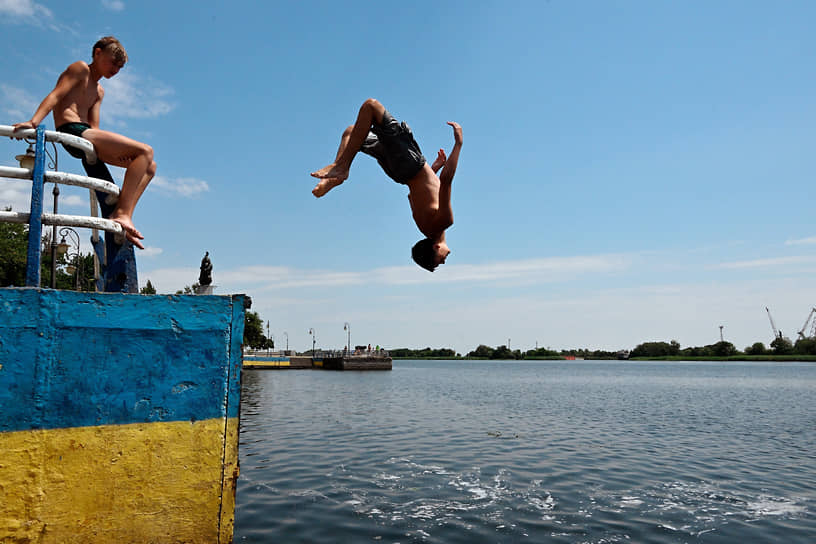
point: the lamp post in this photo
(64, 249)
(267, 337)
(286, 334)
(55, 192)
(312, 332)
(347, 327)
(26, 161)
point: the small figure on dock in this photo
(392, 143)
(76, 101)
(205, 277)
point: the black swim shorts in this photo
(76, 129)
(393, 145)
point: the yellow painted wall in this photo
(140, 483)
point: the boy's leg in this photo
(137, 158)
(334, 174)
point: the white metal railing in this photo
(38, 175)
(64, 178)
(52, 136)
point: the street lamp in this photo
(267, 337)
(63, 250)
(27, 160)
(347, 327)
(312, 332)
(286, 334)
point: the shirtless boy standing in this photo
(75, 102)
(378, 134)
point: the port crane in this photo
(776, 332)
(802, 334)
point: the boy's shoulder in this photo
(78, 68)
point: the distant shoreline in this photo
(772, 358)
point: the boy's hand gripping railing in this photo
(38, 175)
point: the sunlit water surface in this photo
(573, 452)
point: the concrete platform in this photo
(363, 362)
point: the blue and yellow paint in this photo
(118, 416)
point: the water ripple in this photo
(593, 453)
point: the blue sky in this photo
(631, 171)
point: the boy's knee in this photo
(148, 152)
(372, 103)
(151, 168)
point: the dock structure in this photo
(119, 418)
(321, 360)
(356, 362)
(267, 362)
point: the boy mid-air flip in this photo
(75, 102)
(378, 134)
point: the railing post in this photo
(35, 219)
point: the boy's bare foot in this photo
(131, 233)
(333, 170)
(133, 240)
(325, 185)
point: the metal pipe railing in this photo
(38, 176)
(52, 136)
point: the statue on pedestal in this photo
(205, 277)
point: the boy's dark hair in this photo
(424, 255)
(112, 46)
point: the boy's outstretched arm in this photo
(450, 164)
(69, 78)
(446, 177)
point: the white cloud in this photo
(16, 194)
(24, 9)
(801, 241)
(113, 5)
(150, 252)
(529, 271)
(184, 187)
(553, 302)
(18, 104)
(130, 96)
(766, 263)
(74, 201)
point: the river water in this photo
(579, 451)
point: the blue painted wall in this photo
(81, 359)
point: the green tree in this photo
(656, 349)
(188, 289)
(482, 351)
(70, 271)
(13, 247)
(757, 348)
(148, 289)
(805, 346)
(782, 346)
(503, 352)
(723, 349)
(253, 331)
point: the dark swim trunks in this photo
(392, 144)
(76, 129)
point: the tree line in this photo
(779, 346)
(646, 350)
(502, 352)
